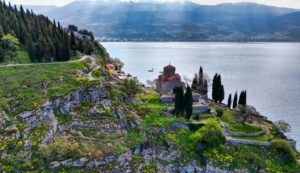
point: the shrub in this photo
(219, 112)
(61, 148)
(96, 74)
(211, 135)
(130, 86)
(284, 151)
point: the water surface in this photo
(270, 72)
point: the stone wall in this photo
(246, 142)
(231, 133)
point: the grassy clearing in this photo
(22, 86)
(262, 138)
(244, 128)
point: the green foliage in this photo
(179, 100)
(244, 128)
(229, 101)
(64, 118)
(17, 84)
(96, 74)
(45, 41)
(243, 98)
(218, 89)
(188, 100)
(211, 135)
(235, 101)
(219, 112)
(284, 152)
(60, 148)
(130, 86)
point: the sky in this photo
(279, 3)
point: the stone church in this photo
(168, 81)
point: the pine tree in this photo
(235, 101)
(229, 101)
(73, 41)
(188, 98)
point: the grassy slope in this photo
(17, 84)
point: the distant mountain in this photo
(181, 21)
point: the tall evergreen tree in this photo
(215, 88)
(188, 98)
(229, 101)
(218, 92)
(73, 41)
(179, 100)
(235, 100)
(243, 98)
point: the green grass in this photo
(244, 128)
(151, 103)
(64, 118)
(17, 84)
(262, 138)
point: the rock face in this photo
(46, 115)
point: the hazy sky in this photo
(280, 3)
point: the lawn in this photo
(262, 138)
(21, 86)
(244, 128)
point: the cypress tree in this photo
(229, 101)
(179, 100)
(215, 88)
(235, 100)
(188, 103)
(245, 98)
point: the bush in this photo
(130, 86)
(61, 148)
(211, 135)
(284, 151)
(96, 74)
(219, 112)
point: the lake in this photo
(270, 72)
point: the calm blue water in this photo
(270, 72)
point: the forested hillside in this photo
(26, 37)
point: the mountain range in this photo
(179, 21)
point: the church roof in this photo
(170, 67)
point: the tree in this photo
(188, 99)
(243, 98)
(218, 92)
(283, 126)
(130, 86)
(235, 100)
(73, 41)
(215, 88)
(73, 28)
(229, 102)
(179, 100)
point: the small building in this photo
(168, 81)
